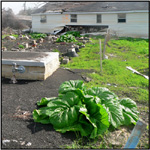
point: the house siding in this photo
(52, 21)
(136, 24)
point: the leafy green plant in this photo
(21, 46)
(79, 43)
(74, 33)
(90, 111)
(55, 50)
(66, 38)
(37, 35)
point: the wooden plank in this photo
(135, 134)
(135, 71)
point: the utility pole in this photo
(24, 5)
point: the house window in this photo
(121, 18)
(43, 18)
(73, 18)
(99, 18)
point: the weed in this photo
(79, 43)
(37, 35)
(21, 46)
(55, 50)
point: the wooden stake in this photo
(100, 55)
(107, 38)
(104, 46)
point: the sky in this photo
(17, 6)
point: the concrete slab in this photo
(38, 65)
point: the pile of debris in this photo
(25, 43)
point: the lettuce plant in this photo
(89, 111)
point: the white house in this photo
(124, 18)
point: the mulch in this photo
(18, 102)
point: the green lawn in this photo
(121, 52)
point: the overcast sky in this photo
(17, 6)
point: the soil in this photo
(18, 102)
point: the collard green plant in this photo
(89, 111)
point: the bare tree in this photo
(24, 5)
(9, 20)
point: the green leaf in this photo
(65, 111)
(129, 111)
(102, 92)
(110, 101)
(41, 115)
(86, 127)
(75, 127)
(96, 115)
(115, 112)
(127, 102)
(45, 101)
(103, 122)
(91, 104)
(72, 85)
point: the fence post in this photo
(100, 55)
(107, 38)
(104, 46)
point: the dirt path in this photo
(18, 102)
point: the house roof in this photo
(90, 7)
(59, 6)
(22, 17)
(110, 7)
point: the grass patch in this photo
(84, 143)
(124, 52)
(15, 35)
